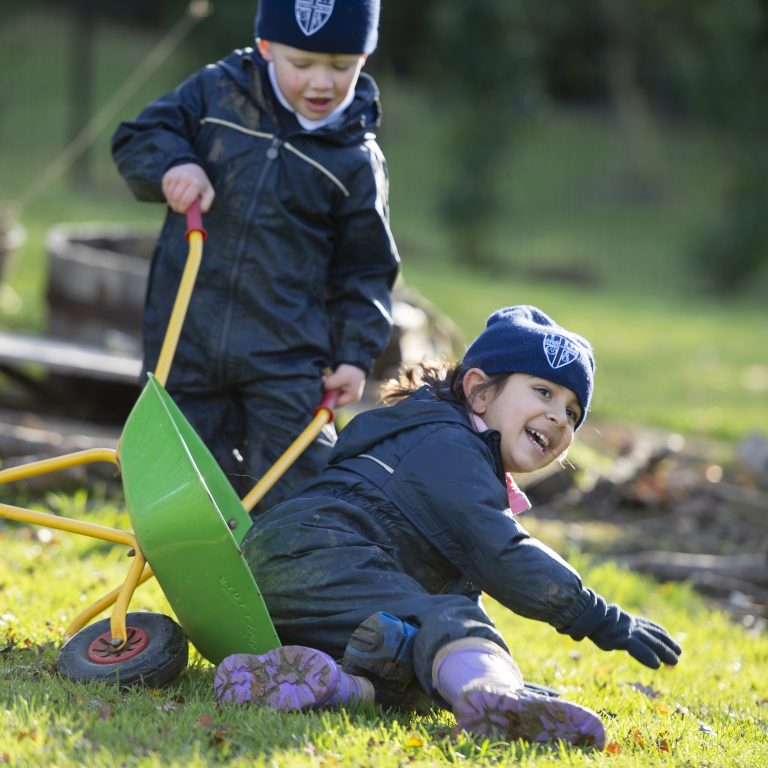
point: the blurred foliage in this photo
(490, 65)
(481, 106)
(718, 55)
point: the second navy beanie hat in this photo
(321, 26)
(523, 339)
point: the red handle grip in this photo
(328, 403)
(195, 220)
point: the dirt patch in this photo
(678, 509)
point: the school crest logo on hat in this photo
(312, 15)
(559, 350)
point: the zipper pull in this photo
(272, 152)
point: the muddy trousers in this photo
(321, 579)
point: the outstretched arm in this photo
(466, 508)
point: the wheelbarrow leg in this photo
(35, 468)
(100, 605)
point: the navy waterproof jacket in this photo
(433, 478)
(299, 260)
(410, 517)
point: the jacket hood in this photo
(374, 426)
(422, 408)
(362, 116)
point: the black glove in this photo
(642, 639)
(610, 628)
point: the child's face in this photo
(535, 417)
(313, 83)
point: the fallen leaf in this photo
(613, 748)
(219, 737)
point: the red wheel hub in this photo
(101, 650)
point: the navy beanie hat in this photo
(523, 339)
(321, 26)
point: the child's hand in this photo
(645, 640)
(183, 184)
(349, 380)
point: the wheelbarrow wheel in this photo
(156, 652)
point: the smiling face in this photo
(535, 417)
(314, 84)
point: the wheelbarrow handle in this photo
(323, 416)
(195, 220)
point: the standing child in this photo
(380, 561)
(278, 145)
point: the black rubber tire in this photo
(163, 659)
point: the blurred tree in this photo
(717, 53)
(488, 64)
(404, 36)
(705, 61)
(81, 82)
(572, 40)
(481, 69)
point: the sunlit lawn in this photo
(711, 710)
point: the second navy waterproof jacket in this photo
(299, 260)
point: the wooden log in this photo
(680, 566)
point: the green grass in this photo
(710, 710)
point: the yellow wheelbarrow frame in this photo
(188, 522)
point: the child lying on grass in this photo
(380, 561)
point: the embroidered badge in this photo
(311, 15)
(559, 350)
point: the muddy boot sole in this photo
(288, 678)
(522, 714)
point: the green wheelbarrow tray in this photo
(189, 523)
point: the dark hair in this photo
(446, 381)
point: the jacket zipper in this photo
(271, 154)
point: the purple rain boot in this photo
(286, 678)
(485, 689)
